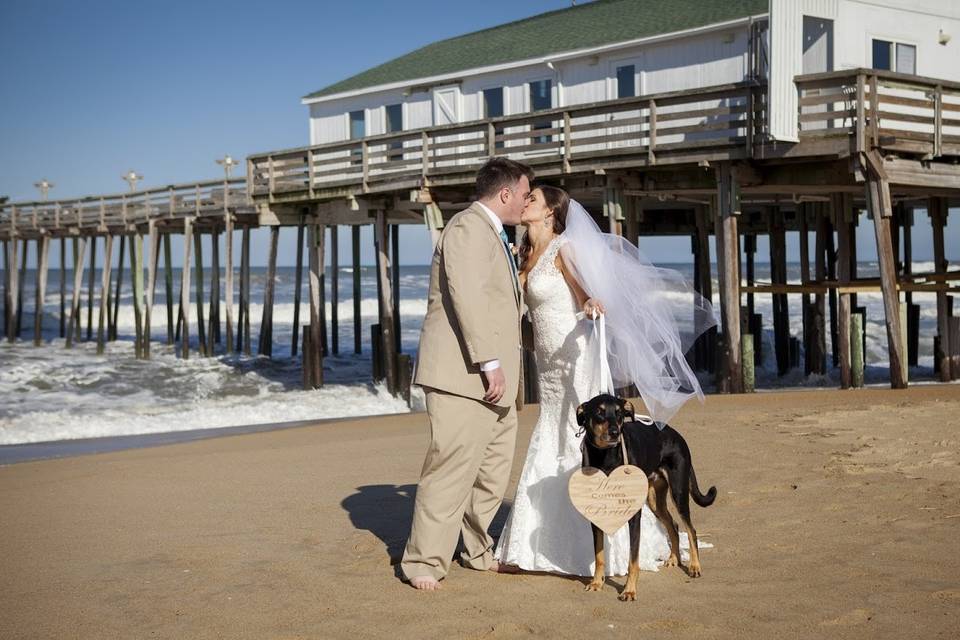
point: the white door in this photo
(446, 110)
(625, 79)
(818, 58)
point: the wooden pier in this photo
(694, 163)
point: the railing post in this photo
(425, 153)
(874, 112)
(271, 178)
(750, 122)
(310, 171)
(567, 143)
(249, 179)
(365, 162)
(861, 115)
(937, 121)
(123, 210)
(103, 215)
(491, 140)
(652, 132)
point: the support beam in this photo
(708, 341)
(357, 331)
(266, 323)
(878, 201)
(243, 323)
(91, 284)
(154, 240)
(818, 341)
(104, 293)
(841, 208)
(395, 275)
(214, 326)
(112, 321)
(386, 304)
(7, 280)
(728, 252)
(43, 248)
(315, 241)
(937, 209)
(168, 286)
(228, 269)
(185, 288)
(334, 290)
(298, 279)
(778, 275)
(22, 286)
(136, 277)
(73, 326)
(63, 287)
(203, 346)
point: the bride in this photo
(563, 256)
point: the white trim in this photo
(718, 26)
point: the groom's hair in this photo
(498, 173)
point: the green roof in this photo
(587, 25)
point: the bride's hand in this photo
(592, 308)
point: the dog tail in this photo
(699, 498)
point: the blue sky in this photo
(92, 89)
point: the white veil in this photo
(653, 315)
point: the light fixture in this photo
(942, 37)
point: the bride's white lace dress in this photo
(543, 531)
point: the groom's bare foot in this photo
(499, 567)
(425, 583)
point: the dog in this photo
(664, 456)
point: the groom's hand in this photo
(496, 384)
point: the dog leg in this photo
(597, 583)
(629, 592)
(680, 491)
(657, 501)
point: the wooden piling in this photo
(778, 275)
(228, 274)
(112, 319)
(395, 276)
(841, 207)
(203, 345)
(831, 258)
(73, 326)
(386, 303)
(708, 340)
(184, 320)
(937, 210)
(749, 372)
(41, 288)
(334, 290)
(266, 323)
(357, 333)
(168, 287)
(298, 278)
(21, 286)
(90, 286)
(6, 287)
(243, 324)
(913, 311)
(878, 200)
(315, 258)
(154, 240)
(818, 338)
(856, 350)
(214, 330)
(63, 287)
(803, 213)
(136, 282)
(104, 292)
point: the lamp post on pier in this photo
(131, 179)
(44, 186)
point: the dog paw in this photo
(694, 570)
(627, 596)
(672, 561)
(594, 586)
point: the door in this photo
(446, 110)
(817, 58)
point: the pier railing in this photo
(718, 122)
(894, 112)
(121, 210)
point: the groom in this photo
(469, 367)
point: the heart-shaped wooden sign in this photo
(608, 501)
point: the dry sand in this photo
(837, 517)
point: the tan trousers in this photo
(462, 483)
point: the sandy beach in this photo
(837, 517)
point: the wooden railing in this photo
(100, 213)
(664, 128)
(891, 111)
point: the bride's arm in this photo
(585, 302)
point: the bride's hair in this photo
(558, 201)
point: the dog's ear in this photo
(627, 407)
(582, 414)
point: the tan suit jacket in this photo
(473, 311)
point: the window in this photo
(358, 126)
(394, 113)
(626, 83)
(894, 56)
(493, 108)
(541, 97)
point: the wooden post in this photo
(79, 247)
(228, 267)
(831, 258)
(245, 291)
(818, 360)
(154, 239)
(395, 273)
(728, 251)
(386, 304)
(708, 339)
(357, 333)
(841, 207)
(7, 281)
(937, 210)
(803, 210)
(136, 276)
(296, 290)
(913, 317)
(63, 287)
(185, 288)
(202, 335)
(749, 374)
(91, 284)
(214, 331)
(856, 350)
(778, 275)
(315, 258)
(41, 288)
(168, 286)
(335, 290)
(104, 292)
(112, 316)
(878, 200)
(324, 348)
(266, 323)
(22, 286)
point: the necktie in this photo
(506, 246)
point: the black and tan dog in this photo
(664, 457)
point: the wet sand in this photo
(837, 517)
